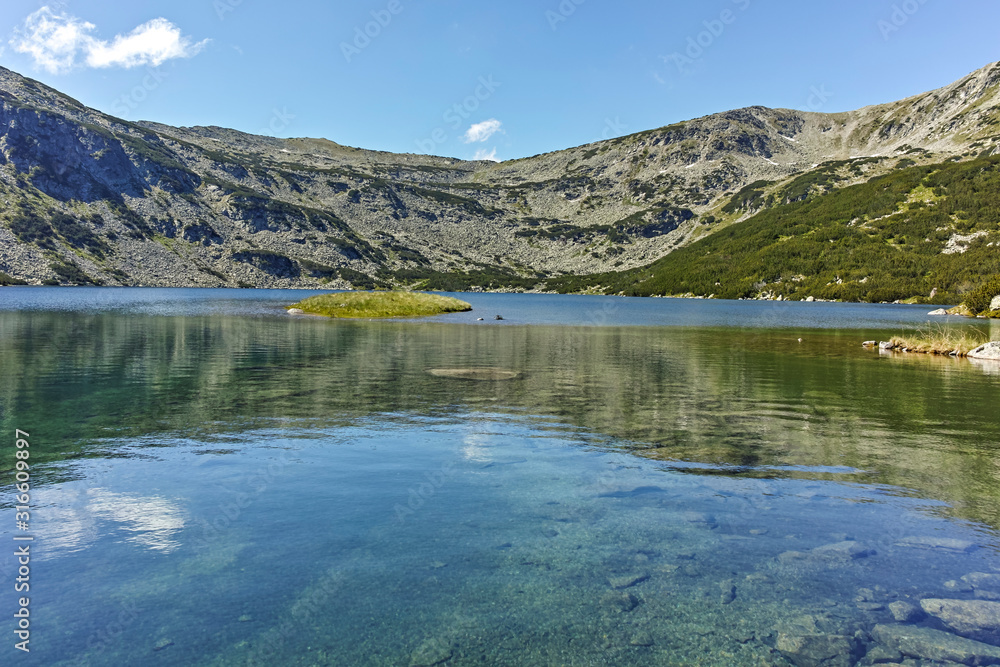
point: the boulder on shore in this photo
(990, 350)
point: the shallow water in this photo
(217, 483)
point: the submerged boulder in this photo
(976, 619)
(817, 650)
(930, 644)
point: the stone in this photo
(942, 543)
(703, 518)
(789, 556)
(296, 311)
(162, 644)
(431, 652)
(627, 581)
(976, 619)
(982, 580)
(810, 299)
(939, 311)
(846, 550)
(995, 303)
(956, 586)
(728, 591)
(880, 655)
(930, 644)
(990, 350)
(641, 639)
(623, 602)
(817, 650)
(869, 343)
(905, 612)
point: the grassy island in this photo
(942, 341)
(380, 304)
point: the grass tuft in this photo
(941, 340)
(381, 304)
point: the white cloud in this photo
(60, 42)
(482, 131)
(481, 154)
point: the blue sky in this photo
(505, 80)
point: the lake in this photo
(589, 481)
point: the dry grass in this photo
(941, 340)
(381, 304)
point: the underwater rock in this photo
(846, 550)
(641, 639)
(976, 619)
(817, 650)
(881, 655)
(955, 586)
(703, 518)
(623, 602)
(982, 580)
(904, 612)
(431, 652)
(930, 644)
(627, 581)
(942, 543)
(728, 591)
(162, 644)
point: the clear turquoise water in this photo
(217, 483)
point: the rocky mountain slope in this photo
(89, 198)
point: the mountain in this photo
(93, 199)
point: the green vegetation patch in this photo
(381, 304)
(7, 280)
(978, 300)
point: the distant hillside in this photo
(92, 199)
(926, 234)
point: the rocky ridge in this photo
(89, 198)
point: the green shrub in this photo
(978, 300)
